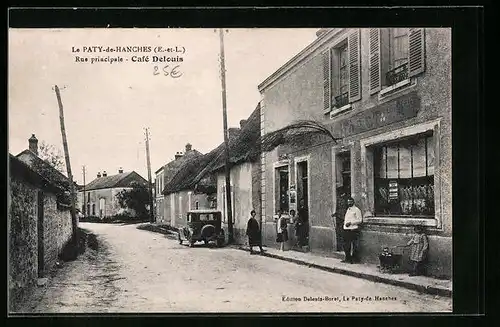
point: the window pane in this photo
(419, 158)
(407, 195)
(405, 161)
(430, 155)
(343, 56)
(381, 162)
(343, 76)
(392, 161)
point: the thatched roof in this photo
(189, 174)
(194, 171)
(295, 134)
(245, 147)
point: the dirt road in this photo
(140, 271)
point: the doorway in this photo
(40, 214)
(302, 181)
(343, 191)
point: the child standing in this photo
(419, 247)
(282, 232)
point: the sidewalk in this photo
(367, 271)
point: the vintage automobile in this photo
(202, 225)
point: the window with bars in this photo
(399, 47)
(404, 177)
(342, 94)
(341, 66)
(396, 54)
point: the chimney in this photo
(242, 123)
(33, 144)
(178, 155)
(99, 175)
(188, 147)
(120, 171)
(104, 174)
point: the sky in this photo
(107, 106)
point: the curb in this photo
(429, 289)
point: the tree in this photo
(52, 156)
(136, 198)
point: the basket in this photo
(390, 262)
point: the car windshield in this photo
(206, 216)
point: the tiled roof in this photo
(119, 180)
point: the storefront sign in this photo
(293, 194)
(393, 190)
(402, 108)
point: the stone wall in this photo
(23, 236)
(23, 241)
(56, 230)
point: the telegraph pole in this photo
(149, 178)
(84, 204)
(226, 140)
(74, 218)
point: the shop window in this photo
(281, 189)
(404, 177)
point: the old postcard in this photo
(197, 170)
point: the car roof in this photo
(204, 211)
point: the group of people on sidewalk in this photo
(348, 220)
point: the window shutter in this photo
(416, 51)
(375, 71)
(327, 99)
(353, 44)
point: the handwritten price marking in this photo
(166, 70)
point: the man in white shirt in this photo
(353, 219)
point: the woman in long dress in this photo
(253, 233)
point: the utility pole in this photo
(226, 140)
(149, 178)
(84, 204)
(74, 218)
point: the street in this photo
(135, 270)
